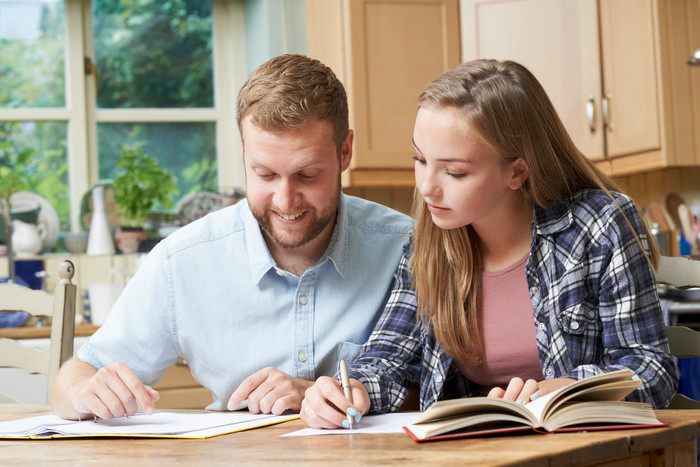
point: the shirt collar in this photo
(553, 219)
(261, 261)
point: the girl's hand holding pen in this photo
(325, 404)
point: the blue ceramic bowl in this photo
(13, 319)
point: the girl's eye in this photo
(455, 175)
(419, 160)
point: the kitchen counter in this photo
(32, 332)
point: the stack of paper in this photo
(158, 425)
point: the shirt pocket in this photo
(347, 351)
(581, 331)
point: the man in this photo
(262, 297)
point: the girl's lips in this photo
(436, 209)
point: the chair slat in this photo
(14, 297)
(678, 271)
(29, 359)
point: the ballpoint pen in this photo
(345, 382)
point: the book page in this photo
(475, 405)
(497, 422)
(585, 389)
(603, 413)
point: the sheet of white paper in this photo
(387, 423)
(31, 425)
(160, 423)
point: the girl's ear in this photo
(519, 171)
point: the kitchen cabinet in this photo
(384, 52)
(615, 70)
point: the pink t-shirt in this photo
(506, 324)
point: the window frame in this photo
(82, 115)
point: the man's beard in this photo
(319, 221)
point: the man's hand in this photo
(112, 391)
(270, 391)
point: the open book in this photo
(592, 403)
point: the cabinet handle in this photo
(590, 112)
(606, 120)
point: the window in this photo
(82, 80)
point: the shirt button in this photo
(303, 300)
(438, 379)
(574, 325)
(302, 357)
(591, 314)
(549, 372)
(541, 326)
(534, 290)
(279, 272)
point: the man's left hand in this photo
(270, 391)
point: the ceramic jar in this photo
(27, 239)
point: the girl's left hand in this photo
(523, 392)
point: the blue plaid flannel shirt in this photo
(595, 310)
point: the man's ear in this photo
(346, 151)
(519, 171)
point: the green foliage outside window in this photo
(153, 53)
(32, 62)
(149, 54)
(33, 158)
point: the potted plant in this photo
(12, 180)
(141, 186)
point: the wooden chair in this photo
(60, 307)
(681, 272)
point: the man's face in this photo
(293, 181)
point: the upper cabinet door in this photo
(396, 48)
(629, 76)
(557, 40)
(385, 52)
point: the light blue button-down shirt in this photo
(212, 294)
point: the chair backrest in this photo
(682, 273)
(60, 307)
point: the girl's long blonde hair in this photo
(505, 108)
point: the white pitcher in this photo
(27, 239)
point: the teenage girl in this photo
(527, 268)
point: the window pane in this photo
(151, 53)
(186, 150)
(32, 52)
(36, 151)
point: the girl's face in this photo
(462, 181)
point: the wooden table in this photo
(673, 445)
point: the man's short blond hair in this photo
(289, 90)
